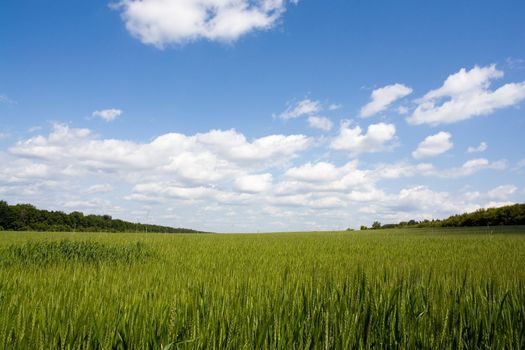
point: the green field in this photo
(374, 289)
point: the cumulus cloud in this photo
(108, 115)
(324, 178)
(220, 180)
(165, 22)
(163, 190)
(310, 109)
(416, 202)
(403, 169)
(464, 95)
(482, 147)
(308, 200)
(254, 183)
(429, 204)
(270, 149)
(433, 145)
(83, 204)
(383, 97)
(200, 157)
(302, 108)
(497, 204)
(321, 123)
(422, 198)
(318, 172)
(502, 192)
(474, 165)
(99, 188)
(378, 137)
(402, 110)
(220, 165)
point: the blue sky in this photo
(238, 115)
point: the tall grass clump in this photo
(43, 253)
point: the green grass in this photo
(43, 253)
(375, 289)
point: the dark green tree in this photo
(376, 225)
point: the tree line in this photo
(25, 217)
(507, 215)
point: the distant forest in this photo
(507, 215)
(25, 217)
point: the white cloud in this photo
(83, 204)
(383, 97)
(376, 138)
(162, 191)
(415, 202)
(502, 192)
(165, 22)
(308, 200)
(472, 195)
(464, 95)
(321, 123)
(99, 188)
(433, 145)
(370, 194)
(428, 204)
(422, 198)
(481, 148)
(334, 107)
(201, 157)
(174, 191)
(497, 204)
(234, 146)
(108, 115)
(323, 178)
(309, 108)
(3, 135)
(254, 183)
(221, 181)
(474, 165)
(302, 108)
(318, 172)
(402, 110)
(403, 169)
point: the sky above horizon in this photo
(262, 115)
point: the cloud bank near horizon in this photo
(321, 178)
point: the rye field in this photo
(412, 288)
